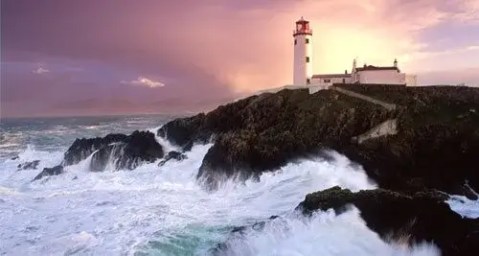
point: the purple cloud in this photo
(69, 57)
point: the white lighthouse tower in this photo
(303, 53)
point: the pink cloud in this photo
(217, 47)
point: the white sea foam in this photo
(323, 234)
(464, 206)
(167, 146)
(164, 211)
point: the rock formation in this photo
(57, 170)
(419, 217)
(28, 165)
(83, 148)
(119, 150)
(172, 155)
(127, 153)
(434, 143)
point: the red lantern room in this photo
(302, 28)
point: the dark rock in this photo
(105, 155)
(15, 158)
(137, 148)
(238, 233)
(57, 170)
(262, 133)
(83, 148)
(422, 216)
(238, 229)
(273, 129)
(122, 151)
(465, 190)
(182, 132)
(28, 165)
(172, 155)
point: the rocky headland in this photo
(429, 140)
(419, 144)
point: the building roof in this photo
(370, 67)
(332, 76)
(302, 21)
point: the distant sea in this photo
(56, 133)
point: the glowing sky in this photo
(62, 57)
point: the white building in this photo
(368, 74)
(303, 53)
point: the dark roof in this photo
(370, 67)
(302, 21)
(332, 75)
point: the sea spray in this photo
(165, 211)
(324, 233)
(466, 207)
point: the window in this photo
(344, 81)
(327, 80)
(295, 42)
(308, 81)
(307, 59)
(307, 40)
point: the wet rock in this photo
(119, 150)
(133, 150)
(57, 170)
(28, 165)
(466, 191)
(105, 155)
(83, 148)
(435, 144)
(172, 155)
(418, 217)
(184, 132)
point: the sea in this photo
(164, 210)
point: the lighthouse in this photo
(303, 53)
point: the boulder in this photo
(57, 170)
(83, 148)
(133, 150)
(172, 155)
(418, 217)
(28, 165)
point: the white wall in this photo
(330, 81)
(302, 70)
(381, 77)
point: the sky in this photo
(90, 57)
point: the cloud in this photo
(40, 70)
(224, 47)
(143, 81)
(241, 46)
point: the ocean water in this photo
(164, 210)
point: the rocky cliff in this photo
(430, 140)
(416, 143)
